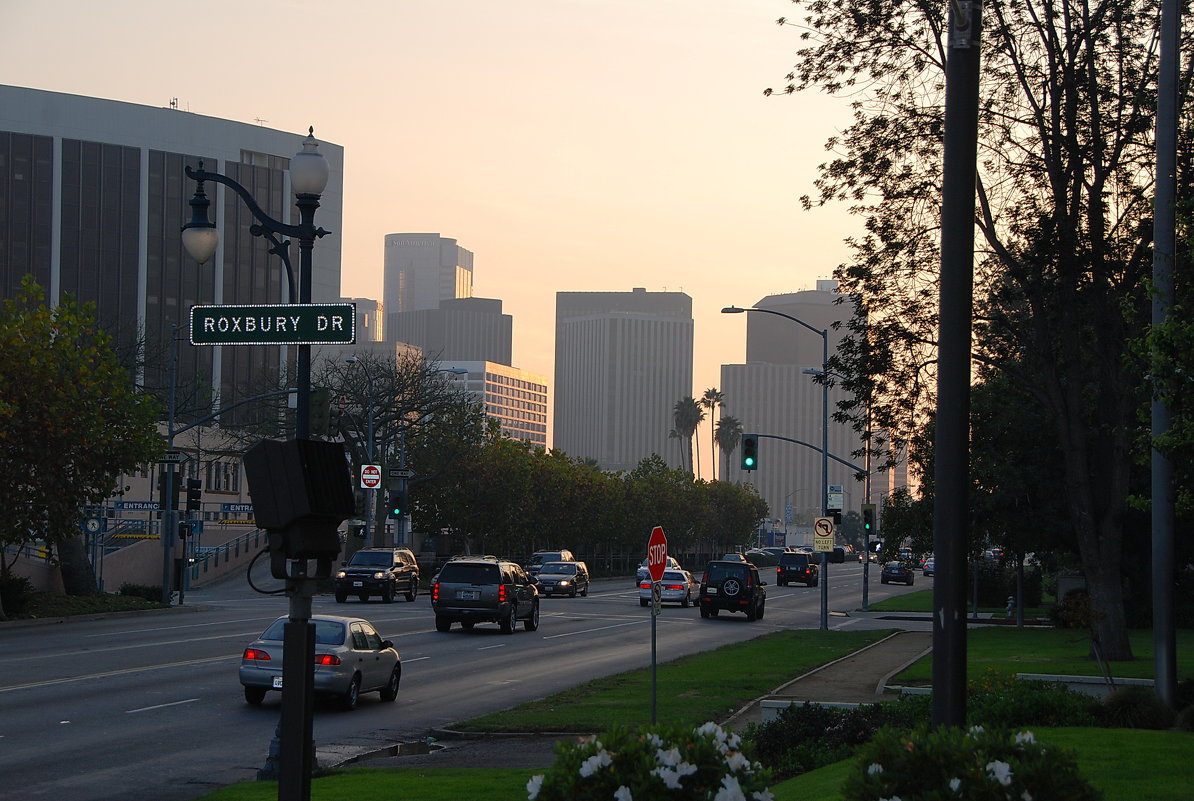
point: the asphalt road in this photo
(149, 705)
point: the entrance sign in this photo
(823, 534)
(275, 324)
(657, 553)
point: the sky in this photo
(571, 145)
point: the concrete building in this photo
(461, 329)
(421, 270)
(517, 399)
(623, 360)
(772, 394)
(369, 313)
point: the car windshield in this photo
(327, 632)
(719, 573)
(561, 568)
(672, 576)
(465, 573)
(370, 559)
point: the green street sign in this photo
(275, 324)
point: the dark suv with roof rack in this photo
(734, 587)
(384, 572)
(484, 590)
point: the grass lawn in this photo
(921, 602)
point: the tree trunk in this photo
(78, 576)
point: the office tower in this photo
(623, 360)
(461, 329)
(517, 399)
(369, 313)
(421, 270)
(94, 196)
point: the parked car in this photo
(350, 658)
(930, 566)
(540, 558)
(643, 574)
(384, 572)
(676, 587)
(798, 567)
(734, 587)
(484, 590)
(563, 578)
(898, 572)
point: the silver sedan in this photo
(350, 658)
(676, 587)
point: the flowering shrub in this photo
(974, 765)
(653, 764)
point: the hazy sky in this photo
(572, 145)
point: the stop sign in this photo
(657, 553)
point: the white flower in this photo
(1026, 796)
(594, 763)
(623, 794)
(670, 758)
(954, 784)
(533, 787)
(670, 777)
(737, 762)
(762, 795)
(1001, 772)
(730, 791)
(734, 741)
(975, 731)
(686, 769)
(1025, 737)
(874, 769)
(893, 798)
(655, 740)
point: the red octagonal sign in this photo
(657, 553)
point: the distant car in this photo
(930, 566)
(563, 578)
(897, 572)
(484, 590)
(798, 567)
(384, 572)
(643, 573)
(676, 587)
(762, 557)
(540, 558)
(734, 587)
(350, 658)
(734, 557)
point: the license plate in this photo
(469, 595)
(712, 591)
(358, 584)
(277, 682)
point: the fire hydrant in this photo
(1011, 605)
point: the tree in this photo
(1064, 180)
(712, 400)
(728, 435)
(686, 417)
(71, 420)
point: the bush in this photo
(974, 765)
(15, 592)
(1136, 707)
(1000, 701)
(145, 591)
(652, 764)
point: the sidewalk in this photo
(856, 678)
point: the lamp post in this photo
(824, 334)
(295, 749)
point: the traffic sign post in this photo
(823, 543)
(823, 534)
(370, 476)
(656, 563)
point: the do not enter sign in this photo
(370, 476)
(657, 553)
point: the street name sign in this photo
(275, 324)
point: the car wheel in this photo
(585, 592)
(507, 622)
(390, 691)
(704, 611)
(909, 582)
(254, 695)
(341, 597)
(467, 625)
(713, 612)
(443, 624)
(882, 580)
(362, 596)
(643, 601)
(532, 622)
(352, 695)
(762, 609)
(686, 601)
(413, 592)
(752, 613)
(387, 594)
(573, 593)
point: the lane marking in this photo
(122, 672)
(589, 631)
(160, 706)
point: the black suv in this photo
(563, 578)
(378, 571)
(484, 590)
(797, 567)
(733, 586)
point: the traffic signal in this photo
(868, 518)
(398, 502)
(750, 452)
(194, 495)
(319, 412)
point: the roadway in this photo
(149, 705)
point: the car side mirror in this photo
(387, 644)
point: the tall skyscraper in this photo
(517, 399)
(93, 196)
(461, 329)
(421, 270)
(623, 360)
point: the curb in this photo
(26, 622)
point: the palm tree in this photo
(687, 416)
(712, 400)
(728, 435)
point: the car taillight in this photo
(435, 591)
(501, 593)
(704, 578)
(327, 659)
(674, 587)
(646, 585)
(256, 654)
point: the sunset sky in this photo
(572, 145)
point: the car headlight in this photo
(379, 575)
(563, 583)
(341, 574)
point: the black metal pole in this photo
(952, 465)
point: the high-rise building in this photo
(623, 360)
(461, 329)
(92, 199)
(421, 270)
(368, 318)
(517, 399)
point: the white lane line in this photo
(160, 706)
(491, 647)
(589, 631)
(122, 672)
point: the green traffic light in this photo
(749, 461)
